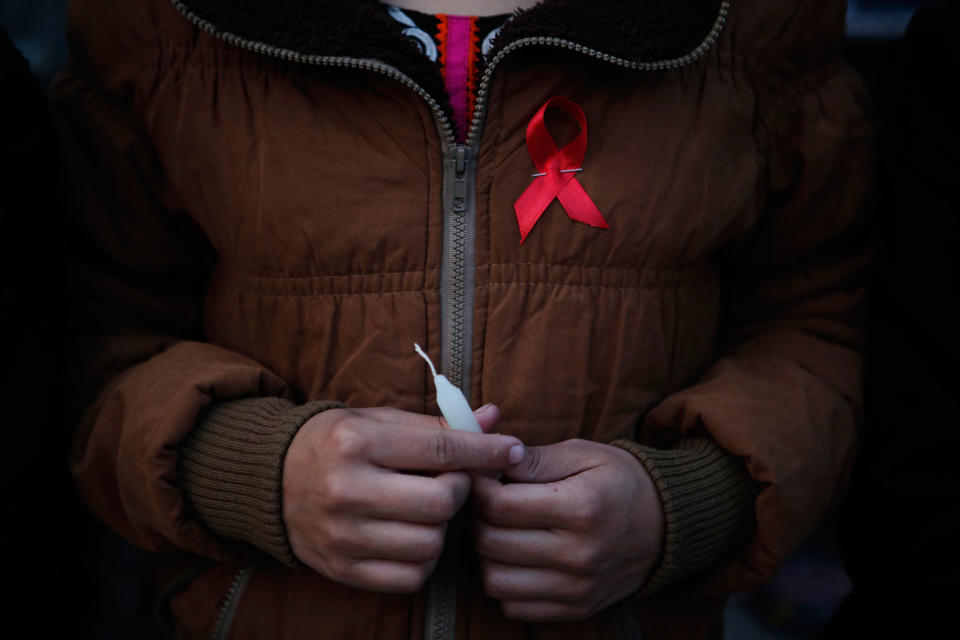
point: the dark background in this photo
(63, 567)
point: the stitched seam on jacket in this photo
(329, 286)
(638, 278)
(639, 287)
(353, 274)
(274, 294)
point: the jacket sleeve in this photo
(163, 425)
(784, 396)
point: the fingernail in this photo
(483, 408)
(517, 452)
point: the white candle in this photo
(453, 405)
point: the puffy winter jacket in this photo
(272, 208)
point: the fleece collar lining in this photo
(635, 30)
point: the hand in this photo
(579, 528)
(350, 512)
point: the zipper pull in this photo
(461, 157)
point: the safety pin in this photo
(537, 175)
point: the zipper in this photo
(457, 275)
(456, 319)
(459, 232)
(228, 610)
(440, 613)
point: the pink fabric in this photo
(457, 70)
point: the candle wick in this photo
(423, 355)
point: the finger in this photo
(524, 506)
(540, 611)
(487, 417)
(391, 415)
(409, 447)
(510, 582)
(386, 576)
(554, 462)
(389, 540)
(458, 484)
(408, 498)
(524, 547)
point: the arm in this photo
(189, 446)
(785, 395)
(760, 446)
(138, 270)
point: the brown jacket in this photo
(270, 205)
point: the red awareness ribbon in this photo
(557, 170)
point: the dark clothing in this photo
(45, 528)
(900, 522)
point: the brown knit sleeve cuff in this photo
(231, 469)
(708, 502)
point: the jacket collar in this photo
(635, 30)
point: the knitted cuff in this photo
(707, 498)
(231, 469)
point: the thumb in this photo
(550, 463)
(488, 416)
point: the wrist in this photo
(231, 469)
(646, 508)
(707, 501)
